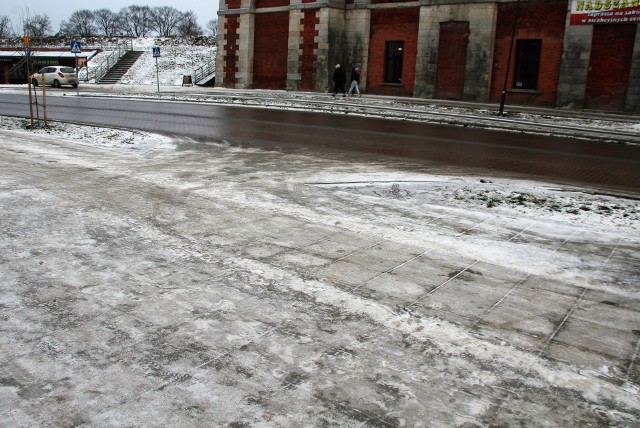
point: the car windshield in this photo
(67, 70)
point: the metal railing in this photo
(206, 69)
(97, 72)
(19, 69)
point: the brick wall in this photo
(271, 3)
(270, 46)
(308, 46)
(230, 56)
(383, 1)
(479, 56)
(389, 25)
(610, 63)
(452, 60)
(540, 19)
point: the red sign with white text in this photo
(593, 12)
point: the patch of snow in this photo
(112, 138)
(175, 61)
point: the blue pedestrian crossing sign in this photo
(156, 52)
(75, 47)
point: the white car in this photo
(56, 76)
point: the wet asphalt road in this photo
(570, 161)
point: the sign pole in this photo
(503, 96)
(78, 81)
(156, 54)
(76, 48)
(35, 101)
(30, 101)
(44, 104)
(27, 53)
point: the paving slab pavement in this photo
(215, 286)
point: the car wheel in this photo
(34, 82)
(56, 84)
(75, 85)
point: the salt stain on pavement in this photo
(211, 285)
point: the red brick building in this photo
(584, 54)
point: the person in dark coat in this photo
(339, 79)
(355, 81)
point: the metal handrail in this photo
(19, 66)
(98, 72)
(209, 67)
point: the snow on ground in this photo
(89, 135)
(176, 60)
(178, 57)
(511, 197)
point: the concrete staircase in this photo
(121, 67)
(205, 75)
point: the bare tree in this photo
(106, 22)
(136, 20)
(212, 27)
(37, 26)
(81, 23)
(165, 20)
(189, 25)
(5, 27)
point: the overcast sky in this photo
(58, 11)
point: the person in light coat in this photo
(355, 81)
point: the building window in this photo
(393, 62)
(527, 64)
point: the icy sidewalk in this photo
(204, 285)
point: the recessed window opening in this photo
(527, 65)
(393, 61)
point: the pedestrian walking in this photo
(339, 79)
(355, 81)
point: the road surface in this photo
(605, 166)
